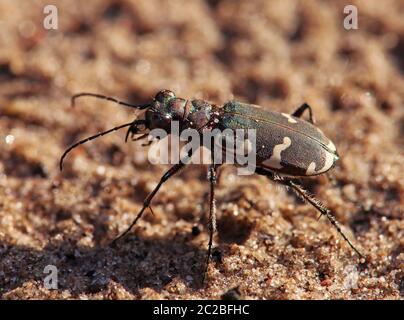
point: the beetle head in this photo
(164, 108)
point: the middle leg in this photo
(212, 215)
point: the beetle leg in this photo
(212, 215)
(134, 128)
(140, 137)
(321, 208)
(148, 143)
(299, 111)
(145, 135)
(146, 203)
(300, 191)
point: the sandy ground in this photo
(277, 54)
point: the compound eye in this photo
(164, 96)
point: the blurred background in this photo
(277, 54)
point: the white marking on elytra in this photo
(331, 146)
(289, 117)
(329, 161)
(311, 169)
(275, 160)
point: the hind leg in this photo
(305, 195)
(299, 112)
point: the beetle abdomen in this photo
(284, 144)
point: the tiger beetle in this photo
(287, 146)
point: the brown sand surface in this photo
(270, 245)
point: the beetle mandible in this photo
(287, 146)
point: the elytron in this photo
(287, 146)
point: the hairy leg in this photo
(212, 215)
(305, 195)
(146, 203)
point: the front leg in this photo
(146, 203)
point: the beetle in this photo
(287, 146)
